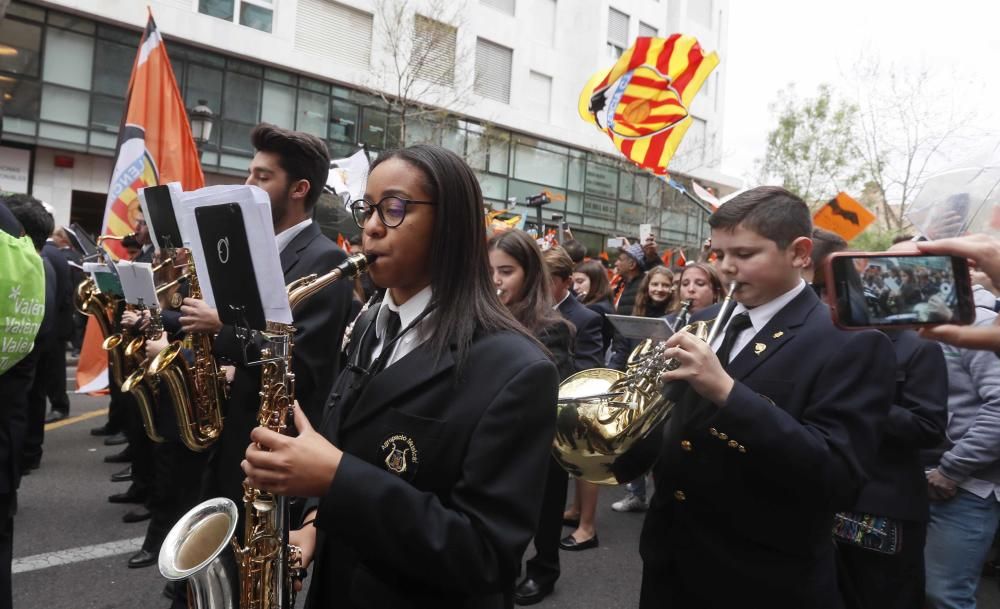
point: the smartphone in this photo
(230, 266)
(616, 242)
(898, 290)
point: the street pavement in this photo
(71, 547)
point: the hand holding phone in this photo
(893, 290)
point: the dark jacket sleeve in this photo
(587, 346)
(473, 542)
(559, 342)
(919, 414)
(818, 457)
(621, 348)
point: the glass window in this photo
(540, 166)
(117, 34)
(257, 17)
(242, 100)
(72, 22)
(107, 113)
(65, 105)
(103, 140)
(574, 202)
(313, 113)
(21, 98)
(278, 105)
(26, 11)
(601, 180)
(453, 139)
(236, 136)
(421, 132)
(576, 173)
(204, 83)
(343, 121)
(373, 124)
(493, 187)
(594, 207)
(279, 76)
(499, 144)
(223, 9)
(62, 133)
(113, 67)
(625, 186)
(68, 58)
(19, 51)
(314, 85)
(476, 151)
(523, 190)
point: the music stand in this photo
(163, 226)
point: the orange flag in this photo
(844, 216)
(155, 146)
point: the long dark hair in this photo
(464, 296)
(600, 287)
(533, 307)
(643, 303)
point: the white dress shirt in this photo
(286, 236)
(407, 313)
(759, 317)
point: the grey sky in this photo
(774, 42)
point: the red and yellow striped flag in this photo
(642, 102)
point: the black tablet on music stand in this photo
(162, 221)
(230, 267)
(81, 240)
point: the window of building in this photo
(541, 166)
(504, 6)
(343, 121)
(21, 47)
(257, 14)
(277, 104)
(493, 70)
(313, 113)
(336, 31)
(433, 56)
(647, 30)
(539, 95)
(700, 11)
(617, 32)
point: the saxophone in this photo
(202, 548)
(197, 390)
(602, 413)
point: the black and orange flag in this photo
(155, 146)
(844, 216)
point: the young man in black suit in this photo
(771, 438)
(292, 168)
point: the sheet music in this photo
(137, 283)
(256, 207)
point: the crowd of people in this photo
(808, 466)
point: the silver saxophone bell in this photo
(200, 552)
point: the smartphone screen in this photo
(899, 290)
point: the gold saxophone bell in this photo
(135, 346)
(112, 342)
(603, 413)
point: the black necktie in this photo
(737, 325)
(392, 326)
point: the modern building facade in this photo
(497, 81)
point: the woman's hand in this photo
(197, 316)
(302, 466)
(153, 347)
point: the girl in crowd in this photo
(700, 283)
(438, 433)
(590, 282)
(654, 299)
(522, 282)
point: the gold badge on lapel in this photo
(758, 348)
(778, 334)
(401, 456)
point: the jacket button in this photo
(713, 431)
(732, 444)
(686, 445)
(680, 496)
(723, 437)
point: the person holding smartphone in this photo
(784, 412)
(425, 477)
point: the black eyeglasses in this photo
(391, 210)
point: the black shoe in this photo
(571, 522)
(170, 590)
(137, 515)
(132, 495)
(103, 430)
(570, 544)
(29, 465)
(123, 476)
(115, 440)
(142, 558)
(530, 591)
(55, 415)
(123, 457)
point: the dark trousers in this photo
(870, 580)
(176, 488)
(544, 566)
(49, 385)
(140, 447)
(7, 502)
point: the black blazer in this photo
(897, 486)
(64, 290)
(587, 345)
(746, 493)
(319, 328)
(604, 308)
(449, 530)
